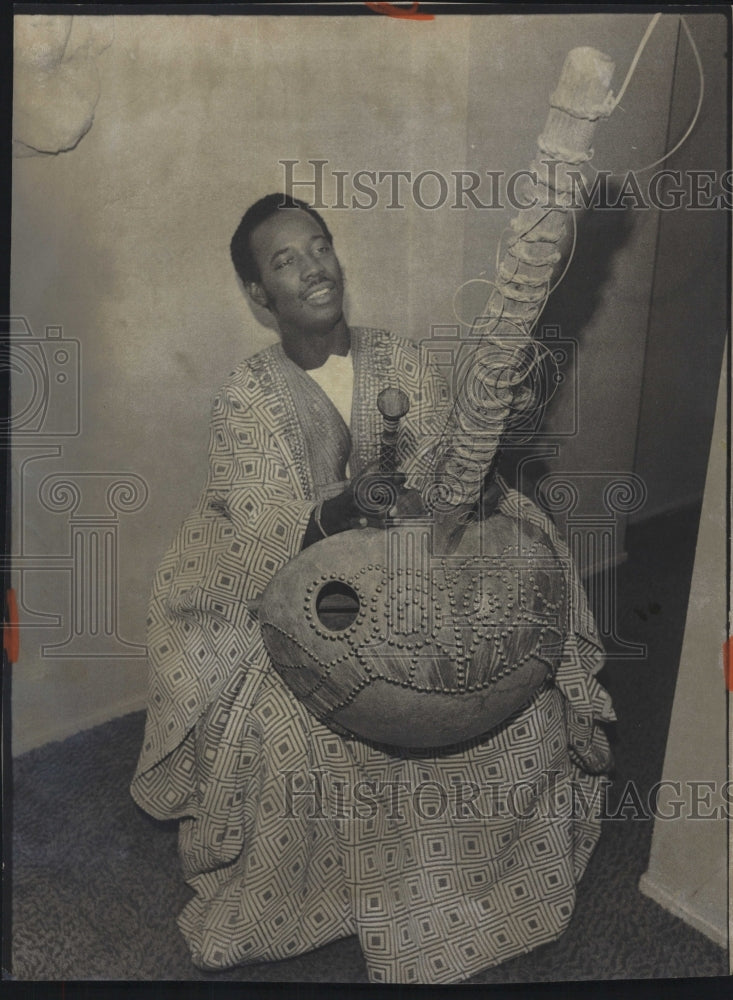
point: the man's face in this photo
(301, 282)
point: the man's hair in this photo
(241, 248)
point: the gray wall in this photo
(688, 317)
(688, 871)
(123, 242)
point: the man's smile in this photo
(323, 291)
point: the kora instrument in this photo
(438, 628)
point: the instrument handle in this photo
(393, 404)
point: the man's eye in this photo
(283, 262)
(325, 248)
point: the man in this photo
(279, 862)
(287, 264)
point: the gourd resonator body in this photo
(427, 650)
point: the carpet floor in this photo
(96, 885)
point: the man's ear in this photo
(258, 294)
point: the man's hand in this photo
(367, 501)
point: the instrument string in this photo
(700, 97)
(637, 56)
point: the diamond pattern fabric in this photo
(292, 836)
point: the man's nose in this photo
(311, 266)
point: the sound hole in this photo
(337, 605)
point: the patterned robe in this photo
(292, 836)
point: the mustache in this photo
(318, 283)
(325, 279)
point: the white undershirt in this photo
(336, 378)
